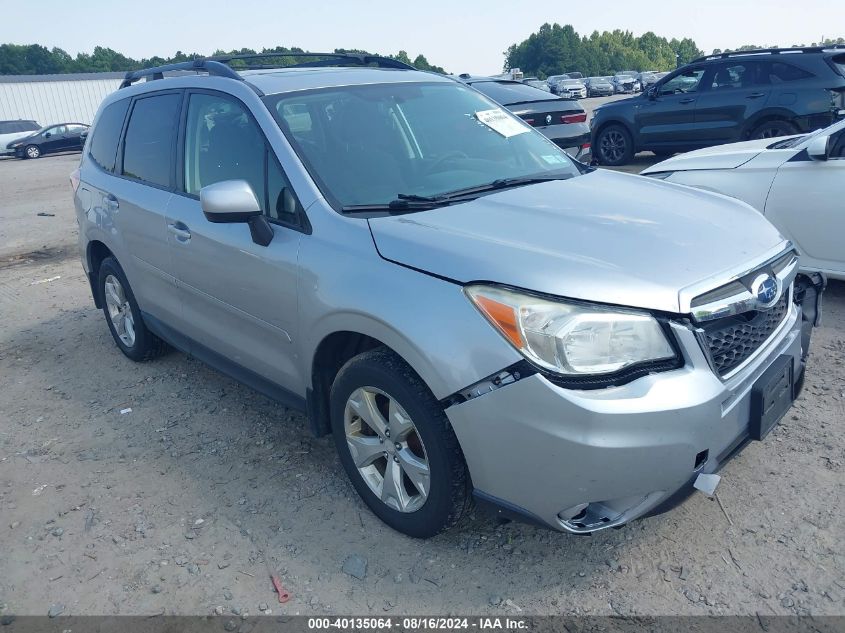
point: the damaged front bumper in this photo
(584, 460)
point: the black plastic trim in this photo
(224, 365)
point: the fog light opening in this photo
(701, 459)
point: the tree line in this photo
(556, 49)
(35, 59)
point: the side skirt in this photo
(222, 364)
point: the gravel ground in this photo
(166, 487)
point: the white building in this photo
(49, 99)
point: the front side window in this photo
(684, 82)
(366, 145)
(148, 146)
(223, 142)
(58, 130)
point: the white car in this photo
(797, 182)
(13, 130)
(572, 89)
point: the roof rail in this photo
(769, 51)
(330, 59)
(198, 65)
(219, 65)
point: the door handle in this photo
(687, 100)
(756, 95)
(180, 231)
(111, 202)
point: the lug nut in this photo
(387, 432)
(395, 459)
(397, 446)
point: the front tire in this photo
(124, 316)
(614, 146)
(32, 151)
(396, 445)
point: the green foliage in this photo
(556, 49)
(34, 59)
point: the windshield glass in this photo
(365, 145)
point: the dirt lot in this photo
(185, 502)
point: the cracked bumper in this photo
(580, 461)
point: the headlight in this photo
(572, 339)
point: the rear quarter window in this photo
(779, 73)
(103, 146)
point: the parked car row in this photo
(722, 99)
(31, 141)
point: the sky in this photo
(460, 35)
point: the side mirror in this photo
(234, 201)
(48, 134)
(818, 148)
(651, 93)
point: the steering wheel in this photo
(443, 159)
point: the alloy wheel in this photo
(120, 312)
(612, 146)
(387, 449)
(33, 152)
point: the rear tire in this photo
(124, 316)
(614, 146)
(407, 466)
(773, 129)
(32, 151)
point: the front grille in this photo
(733, 340)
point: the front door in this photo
(806, 203)
(239, 298)
(666, 118)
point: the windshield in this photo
(366, 145)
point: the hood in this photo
(604, 236)
(718, 157)
(24, 136)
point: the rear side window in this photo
(738, 75)
(148, 146)
(107, 134)
(781, 73)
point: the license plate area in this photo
(771, 397)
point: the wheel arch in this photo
(333, 352)
(622, 123)
(766, 116)
(95, 252)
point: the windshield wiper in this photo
(406, 202)
(501, 183)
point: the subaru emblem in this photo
(548, 119)
(766, 289)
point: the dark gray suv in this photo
(723, 99)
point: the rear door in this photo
(806, 203)
(239, 298)
(135, 201)
(735, 93)
(667, 119)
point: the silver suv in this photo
(470, 313)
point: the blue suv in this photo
(724, 99)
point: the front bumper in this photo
(581, 461)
